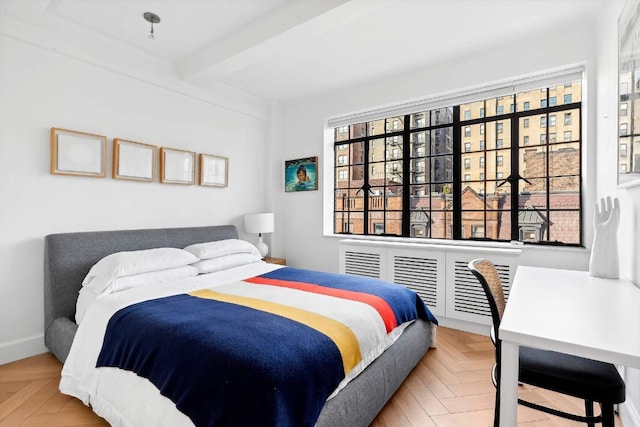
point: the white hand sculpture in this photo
(604, 252)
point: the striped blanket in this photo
(268, 350)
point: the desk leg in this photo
(509, 385)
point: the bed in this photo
(68, 257)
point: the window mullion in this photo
(515, 174)
(406, 181)
(365, 191)
(457, 174)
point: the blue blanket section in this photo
(405, 303)
(223, 364)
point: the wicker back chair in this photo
(589, 380)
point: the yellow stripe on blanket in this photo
(341, 335)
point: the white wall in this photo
(40, 89)
(629, 231)
(572, 43)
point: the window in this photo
(567, 119)
(623, 129)
(567, 98)
(343, 129)
(477, 231)
(418, 184)
(623, 150)
(500, 109)
(623, 109)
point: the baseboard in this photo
(22, 348)
(463, 325)
(629, 414)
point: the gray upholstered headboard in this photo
(69, 256)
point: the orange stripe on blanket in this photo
(379, 304)
(340, 334)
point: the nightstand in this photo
(279, 261)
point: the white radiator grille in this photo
(362, 263)
(419, 275)
(468, 294)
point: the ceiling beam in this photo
(283, 27)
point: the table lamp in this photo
(258, 224)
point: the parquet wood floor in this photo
(450, 386)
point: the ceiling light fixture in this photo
(154, 19)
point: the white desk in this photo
(570, 312)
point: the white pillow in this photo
(103, 285)
(135, 262)
(221, 248)
(225, 262)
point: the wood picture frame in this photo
(214, 170)
(78, 153)
(177, 166)
(301, 174)
(134, 161)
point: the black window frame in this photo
(462, 128)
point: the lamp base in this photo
(262, 247)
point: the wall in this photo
(304, 132)
(607, 179)
(40, 89)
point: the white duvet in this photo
(122, 397)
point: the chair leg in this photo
(607, 414)
(588, 409)
(496, 412)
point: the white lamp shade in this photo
(258, 223)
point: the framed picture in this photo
(177, 166)
(214, 170)
(629, 94)
(134, 160)
(78, 153)
(301, 174)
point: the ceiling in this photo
(276, 50)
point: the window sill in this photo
(454, 245)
